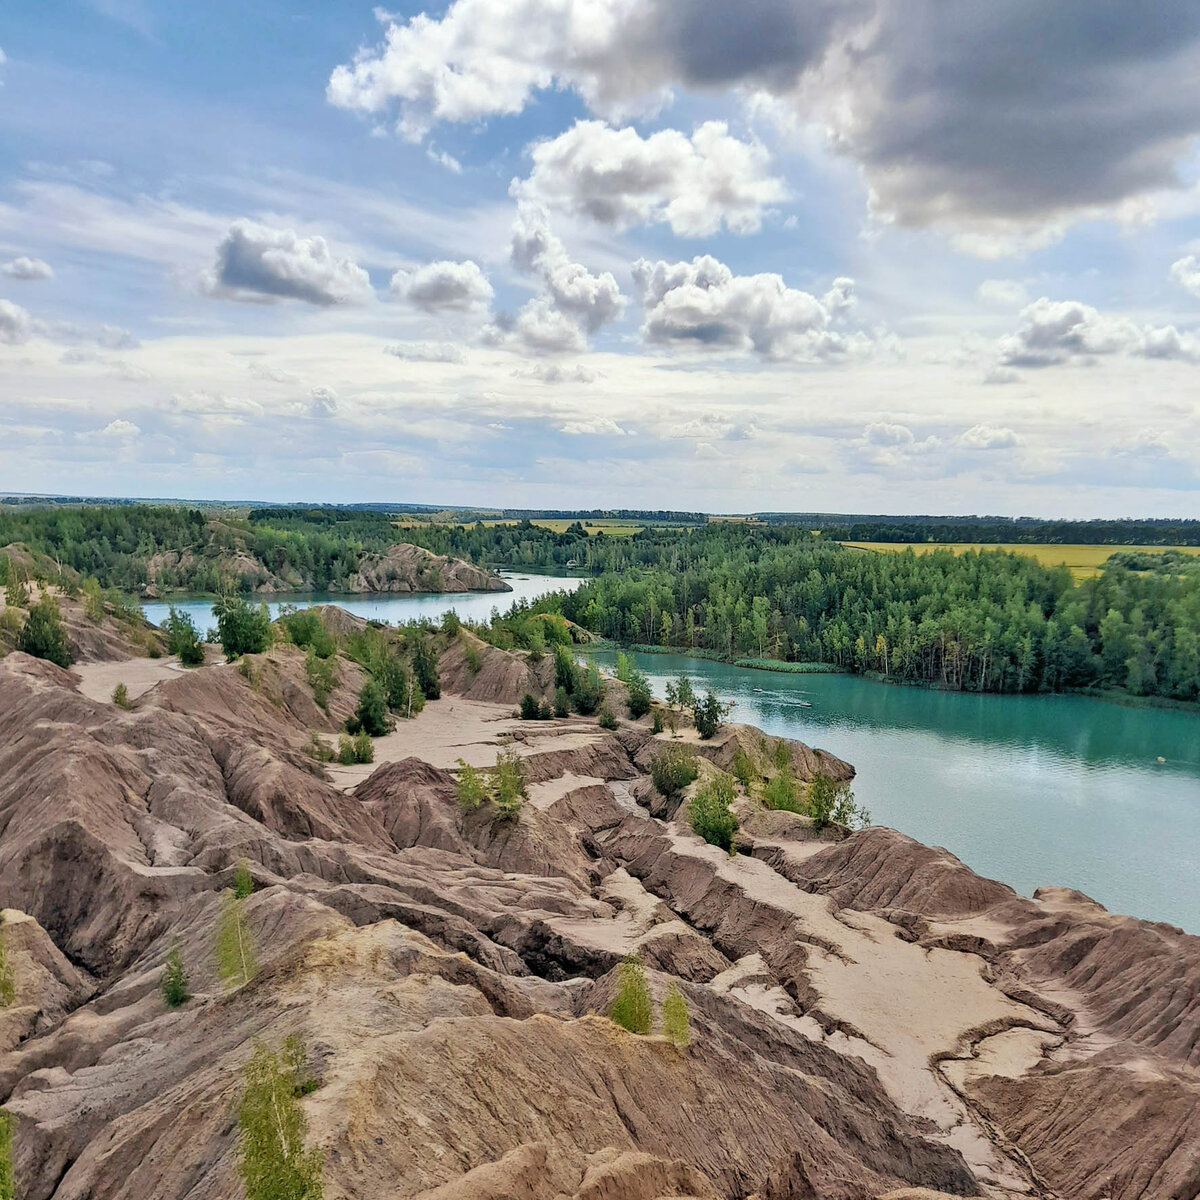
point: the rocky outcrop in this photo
(868, 1017)
(471, 667)
(406, 568)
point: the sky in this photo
(831, 255)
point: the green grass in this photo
(1082, 561)
(788, 668)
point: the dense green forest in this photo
(1026, 531)
(990, 621)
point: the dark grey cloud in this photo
(959, 111)
(260, 264)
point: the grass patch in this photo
(788, 668)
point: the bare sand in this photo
(139, 675)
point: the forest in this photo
(987, 621)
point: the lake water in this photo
(471, 606)
(1028, 789)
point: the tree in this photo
(234, 942)
(675, 1021)
(243, 881)
(425, 667)
(531, 708)
(709, 813)
(829, 800)
(472, 789)
(43, 635)
(242, 628)
(322, 677)
(371, 713)
(744, 770)
(707, 714)
(174, 980)
(589, 691)
(673, 769)
(781, 792)
(16, 595)
(272, 1158)
(562, 702)
(183, 638)
(508, 785)
(640, 697)
(631, 1008)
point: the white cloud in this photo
(544, 329)
(119, 429)
(261, 264)
(114, 337)
(443, 287)
(592, 426)
(323, 402)
(884, 433)
(1003, 293)
(988, 437)
(556, 373)
(16, 325)
(433, 352)
(704, 304)
(1186, 273)
(1055, 332)
(27, 269)
(617, 177)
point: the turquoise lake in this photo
(1028, 789)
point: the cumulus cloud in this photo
(322, 402)
(114, 337)
(988, 437)
(1055, 332)
(703, 303)
(27, 269)
(119, 430)
(544, 329)
(443, 287)
(439, 352)
(1186, 273)
(16, 325)
(556, 373)
(260, 264)
(593, 425)
(966, 112)
(694, 184)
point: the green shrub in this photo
(471, 657)
(657, 727)
(562, 702)
(317, 747)
(8, 987)
(709, 813)
(235, 951)
(680, 693)
(183, 638)
(93, 599)
(174, 982)
(623, 666)
(508, 785)
(425, 667)
(640, 697)
(744, 770)
(824, 795)
(8, 1182)
(472, 787)
(781, 792)
(241, 627)
(676, 1026)
(566, 670)
(243, 881)
(371, 713)
(16, 594)
(43, 634)
(322, 676)
(782, 753)
(272, 1159)
(345, 751)
(451, 625)
(304, 628)
(364, 748)
(607, 720)
(631, 1008)
(120, 697)
(707, 714)
(531, 708)
(673, 769)
(589, 691)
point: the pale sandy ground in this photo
(138, 675)
(473, 730)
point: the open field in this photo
(561, 524)
(1083, 561)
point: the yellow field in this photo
(562, 524)
(1083, 561)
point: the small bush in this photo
(782, 754)
(120, 697)
(781, 792)
(317, 747)
(451, 625)
(743, 768)
(657, 727)
(589, 691)
(174, 982)
(241, 627)
(562, 702)
(425, 667)
(345, 751)
(508, 785)
(243, 881)
(471, 657)
(531, 709)
(607, 720)
(8, 1184)
(623, 667)
(43, 634)
(322, 676)
(472, 788)
(707, 715)
(371, 713)
(304, 628)
(709, 813)
(676, 1026)
(16, 595)
(8, 986)
(566, 670)
(631, 1008)
(673, 769)
(364, 748)
(640, 697)
(183, 638)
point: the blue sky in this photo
(839, 255)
